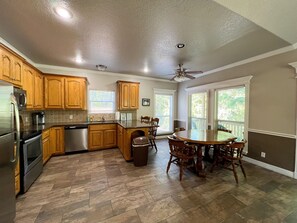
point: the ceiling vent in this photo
(101, 67)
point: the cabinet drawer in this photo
(45, 133)
(17, 184)
(102, 127)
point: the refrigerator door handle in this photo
(17, 119)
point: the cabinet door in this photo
(57, 140)
(6, 65)
(110, 138)
(73, 93)
(46, 149)
(53, 92)
(38, 93)
(96, 139)
(17, 70)
(120, 137)
(28, 85)
(124, 96)
(134, 96)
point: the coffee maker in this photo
(38, 118)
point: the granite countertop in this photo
(125, 124)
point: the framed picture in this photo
(146, 102)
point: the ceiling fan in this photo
(181, 74)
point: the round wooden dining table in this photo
(203, 138)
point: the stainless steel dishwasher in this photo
(76, 138)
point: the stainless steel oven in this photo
(31, 159)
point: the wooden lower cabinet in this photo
(57, 140)
(120, 137)
(127, 140)
(46, 146)
(102, 136)
(17, 176)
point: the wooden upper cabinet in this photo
(53, 92)
(33, 85)
(134, 96)
(28, 85)
(11, 67)
(127, 95)
(17, 69)
(38, 93)
(64, 92)
(75, 93)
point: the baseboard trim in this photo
(270, 167)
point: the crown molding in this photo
(82, 72)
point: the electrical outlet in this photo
(263, 154)
(70, 117)
(26, 119)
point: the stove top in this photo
(29, 133)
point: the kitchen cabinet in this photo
(75, 93)
(11, 67)
(63, 92)
(127, 95)
(120, 137)
(102, 136)
(38, 90)
(46, 146)
(17, 176)
(53, 92)
(28, 85)
(33, 85)
(57, 140)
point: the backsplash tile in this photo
(54, 116)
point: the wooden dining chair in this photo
(145, 119)
(181, 154)
(153, 132)
(179, 129)
(231, 156)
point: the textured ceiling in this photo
(129, 35)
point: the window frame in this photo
(90, 111)
(172, 112)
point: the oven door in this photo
(32, 153)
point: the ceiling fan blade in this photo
(172, 79)
(194, 72)
(189, 76)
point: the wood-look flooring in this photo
(102, 187)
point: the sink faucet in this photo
(102, 118)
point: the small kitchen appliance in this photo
(38, 118)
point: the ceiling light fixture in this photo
(145, 70)
(78, 60)
(101, 67)
(180, 45)
(63, 12)
(181, 79)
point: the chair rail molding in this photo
(294, 64)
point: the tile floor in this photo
(102, 187)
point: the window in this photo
(164, 110)
(198, 110)
(101, 101)
(231, 109)
(226, 106)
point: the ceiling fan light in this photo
(181, 79)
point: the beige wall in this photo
(107, 81)
(272, 92)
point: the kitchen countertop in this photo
(126, 124)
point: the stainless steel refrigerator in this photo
(9, 138)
